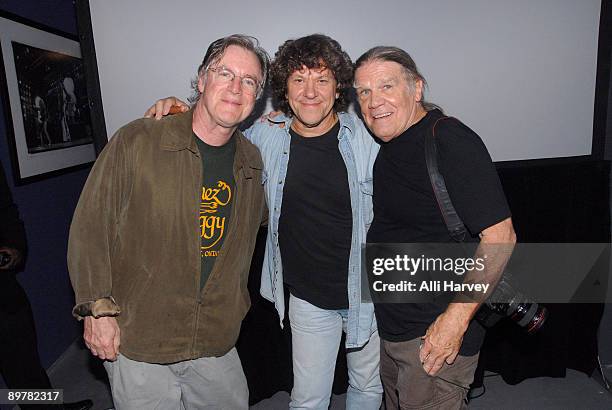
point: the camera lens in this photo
(529, 316)
(537, 321)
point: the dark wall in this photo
(608, 150)
(604, 76)
(46, 208)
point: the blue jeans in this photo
(315, 335)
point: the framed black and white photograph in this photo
(46, 104)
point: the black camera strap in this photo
(453, 222)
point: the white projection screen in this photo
(521, 73)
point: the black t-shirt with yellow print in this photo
(217, 197)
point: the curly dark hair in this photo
(314, 51)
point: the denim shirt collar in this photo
(346, 121)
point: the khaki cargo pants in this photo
(407, 386)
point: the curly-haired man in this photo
(319, 170)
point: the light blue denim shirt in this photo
(358, 150)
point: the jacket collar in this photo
(346, 121)
(247, 156)
(177, 135)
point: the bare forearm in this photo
(444, 336)
(493, 253)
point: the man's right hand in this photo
(165, 106)
(102, 337)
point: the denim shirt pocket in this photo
(367, 189)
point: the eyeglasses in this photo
(226, 76)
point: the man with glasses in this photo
(162, 238)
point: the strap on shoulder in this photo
(454, 224)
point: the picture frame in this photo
(45, 98)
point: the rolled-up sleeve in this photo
(94, 230)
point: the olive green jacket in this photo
(134, 247)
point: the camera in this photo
(516, 306)
(5, 259)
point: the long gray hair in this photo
(399, 56)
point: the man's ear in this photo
(418, 90)
(201, 82)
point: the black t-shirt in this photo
(217, 196)
(316, 221)
(406, 211)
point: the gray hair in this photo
(215, 53)
(399, 56)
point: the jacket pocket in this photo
(132, 300)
